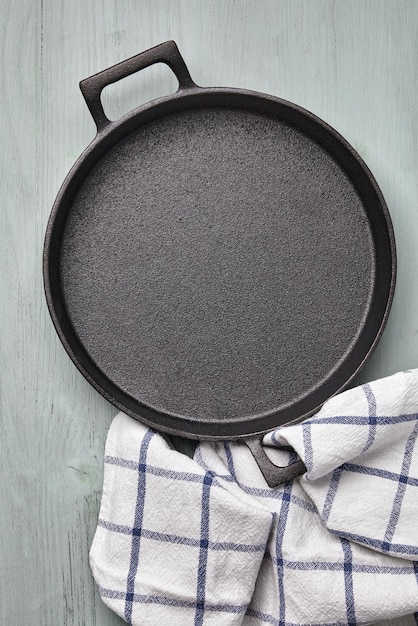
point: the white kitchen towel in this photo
(205, 541)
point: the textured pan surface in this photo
(219, 265)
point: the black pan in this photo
(218, 262)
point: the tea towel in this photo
(205, 541)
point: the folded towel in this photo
(205, 541)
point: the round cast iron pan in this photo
(218, 262)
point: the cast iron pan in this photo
(218, 262)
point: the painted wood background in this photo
(352, 62)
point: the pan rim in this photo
(191, 99)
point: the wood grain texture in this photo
(353, 63)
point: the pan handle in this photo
(93, 86)
(273, 474)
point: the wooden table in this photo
(352, 62)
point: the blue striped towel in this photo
(205, 541)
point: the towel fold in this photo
(205, 541)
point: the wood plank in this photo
(352, 63)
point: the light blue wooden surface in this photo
(352, 62)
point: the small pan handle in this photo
(273, 474)
(166, 52)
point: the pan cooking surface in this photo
(217, 264)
